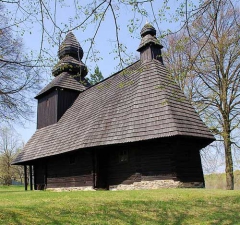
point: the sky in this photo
(105, 41)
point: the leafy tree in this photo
(211, 77)
(95, 77)
(9, 147)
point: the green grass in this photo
(165, 206)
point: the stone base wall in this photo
(192, 185)
(156, 184)
(86, 188)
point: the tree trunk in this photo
(229, 163)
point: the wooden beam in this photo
(34, 180)
(30, 177)
(25, 177)
(94, 167)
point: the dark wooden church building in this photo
(133, 130)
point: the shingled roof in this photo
(139, 103)
(64, 80)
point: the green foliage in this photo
(95, 77)
(165, 206)
(9, 147)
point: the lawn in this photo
(165, 206)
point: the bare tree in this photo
(18, 76)
(213, 72)
(91, 14)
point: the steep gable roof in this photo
(139, 103)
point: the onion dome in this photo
(150, 47)
(70, 54)
(70, 46)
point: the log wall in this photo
(169, 160)
(70, 170)
(65, 100)
(53, 105)
(47, 109)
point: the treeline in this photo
(218, 180)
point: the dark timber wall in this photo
(169, 158)
(152, 160)
(172, 158)
(151, 52)
(47, 109)
(70, 170)
(66, 170)
(188, 161)
(53, 105)
(66, 98)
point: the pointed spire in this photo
(150, 47)
(70, 54)
(70, 46)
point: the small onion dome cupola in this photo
(150, 47)
(70, 54)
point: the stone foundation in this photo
(155, 184)
(192, 185)
(86, 188)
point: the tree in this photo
(9, 147)
(18, 76)
(95, 77)
(54, 23)
(213, 73)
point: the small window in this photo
(123, 156)
(72, 159)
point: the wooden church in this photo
(133, 130)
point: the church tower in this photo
(69, 81)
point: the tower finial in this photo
(70, 23)
(150, 47)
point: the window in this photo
(123, 156)
(72, 159)
(47, 102)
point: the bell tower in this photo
(69, 80)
